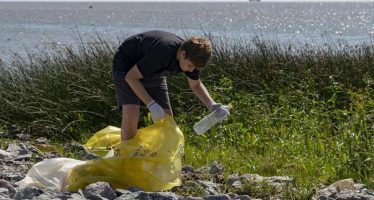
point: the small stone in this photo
(24, 157)
(157, 195)
(7, 186)
(4, 155)
(359, 186)
(193, 198)
(28, 193)
(99, 190)
(252, 177)
(243, 197)
(216, 168)
(217, 197)
(232, 178)
(4, 191)
(346, 184)
(134, 189)
(187, 169)
(42, 140)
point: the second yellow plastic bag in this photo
(151, 160)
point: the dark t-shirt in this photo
(154, 52)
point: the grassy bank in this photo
(301, 111)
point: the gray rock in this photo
(232, 178)
(329, 192)
(88, 156)
(65, 196)
(49, 195)
(252, 177)
(42, 140)
(324, 198)
(359, 186)
(76, 196)
(24, 157)
(4, 155)
(243, 197)
(13, 147)
(351, 195)
(23, 152)
(13, 171)
(8, 187)
(4, 197)
(75, 147)
(193, 198)
(279, 179)
(134, 189)
(14, 177)
(217, 197)
(215, 168)
(187, 169)
(120, 192)
(233, 196)
(346, 184)
(50, 155)
(35, 150)
(128, 195)
(4, 191)
(367, 192)
(237, 184)
(46, 196)
(157, 196)
(196, 188)
(28, 193)
(99, 190)
(211, 187)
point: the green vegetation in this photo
(298, 110)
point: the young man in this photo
(140, 67)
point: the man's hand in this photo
(222, 110)
(213, 106)
(156, 110)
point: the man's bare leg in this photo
(130, 118)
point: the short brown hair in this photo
(198, 50)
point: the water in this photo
(28, 27)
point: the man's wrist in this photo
(210, 105)
(151, 103)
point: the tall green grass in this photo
(298, 110)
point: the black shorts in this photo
(155, 86)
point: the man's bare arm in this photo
(133, 79)
(200, 91)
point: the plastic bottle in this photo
(210, 120)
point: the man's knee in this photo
(128, 133)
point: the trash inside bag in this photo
(151, 160)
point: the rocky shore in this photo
(205, 183)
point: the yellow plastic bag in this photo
(151, 160)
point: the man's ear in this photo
(183, 53)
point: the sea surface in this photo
(27, 27)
